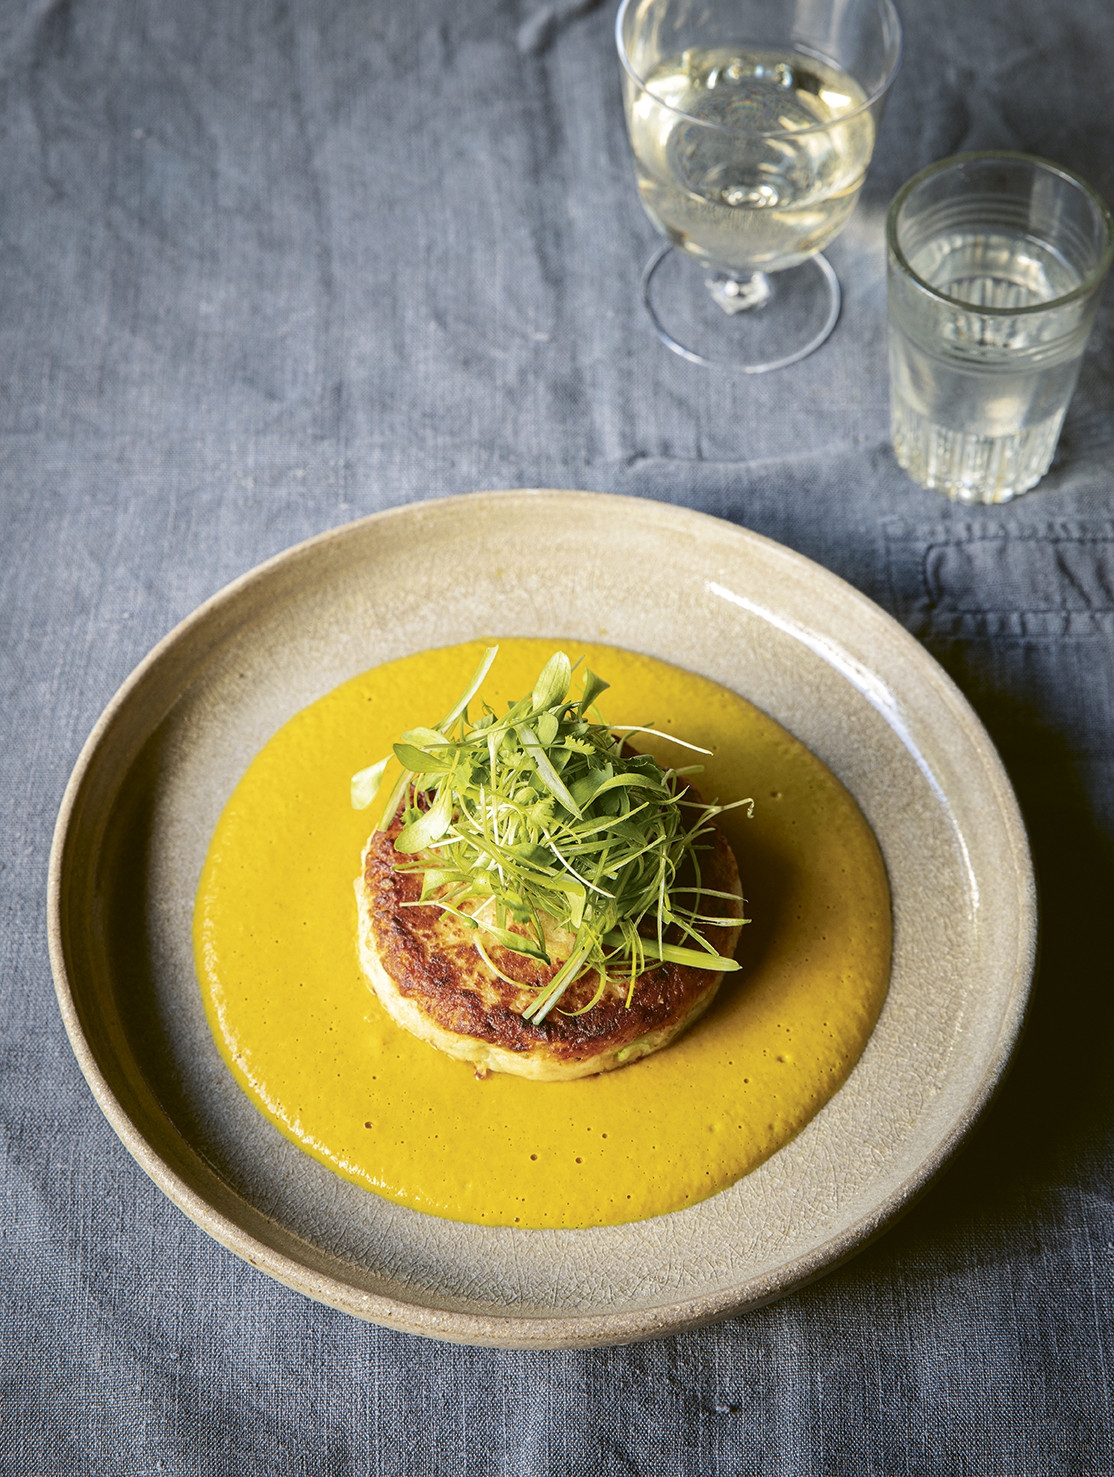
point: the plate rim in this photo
(581, 1330)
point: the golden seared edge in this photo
(428, 975)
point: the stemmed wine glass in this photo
(752, 124)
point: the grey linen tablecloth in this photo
(268, 266)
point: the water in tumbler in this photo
(769, 175)
(977, 400)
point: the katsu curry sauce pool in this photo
(302, 1032)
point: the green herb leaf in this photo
(429, 827)
(675, 954)
(423, 738)
(365, 784)
(411, 757)
(593, 686)
(546, 772)
(547, 727)
(553, 683)
(470, 691)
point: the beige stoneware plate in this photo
(706, 595)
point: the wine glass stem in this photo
(737, 294)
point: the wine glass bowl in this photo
(752, 123)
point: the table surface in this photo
(268, 267)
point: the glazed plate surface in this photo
(784, 633)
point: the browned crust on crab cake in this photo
(424, 967)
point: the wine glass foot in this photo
(739, 294)
(760, 326)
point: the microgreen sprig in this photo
(542, 817)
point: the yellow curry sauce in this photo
(275, 940)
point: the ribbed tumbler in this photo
(996, 265)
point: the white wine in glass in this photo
(752, 125)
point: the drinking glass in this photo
(752, 124)
(996, 263)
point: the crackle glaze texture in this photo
(769, 624)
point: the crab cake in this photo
(429, 976)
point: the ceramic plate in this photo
(827, 663)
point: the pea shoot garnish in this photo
(543, 823)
